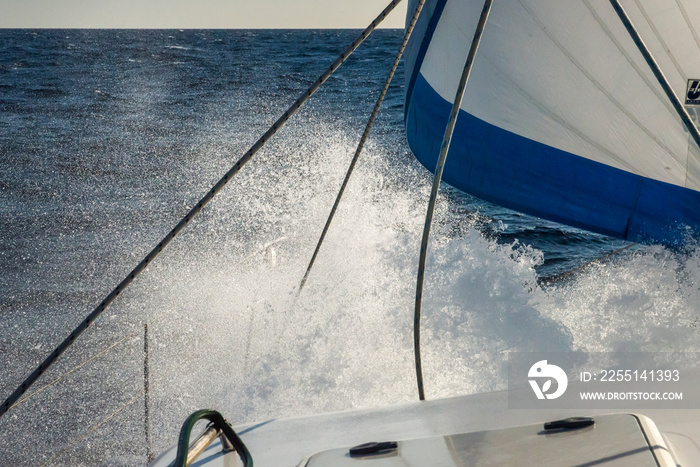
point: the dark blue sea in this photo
(109, 137)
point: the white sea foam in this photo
(225, 327)
(227, 331)
(235, 336)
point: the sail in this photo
(563, 117)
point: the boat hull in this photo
(289, 441)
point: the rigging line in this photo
(25, 399)
(194, 211)
(97, 355)
(688, 22)
(436, 185)
(108, 418)
(146, 396)
(105, 420)
(682, 113)
(643, 76)
(360, 146)
(661, 40)
(620, 107)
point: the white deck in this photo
(288, 442)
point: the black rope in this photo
(436, 185)
(72, 370)
(682, 113)
(360, 146)
(193, 212)
(146, 396)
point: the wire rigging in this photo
(660, 77)
(193, 212)
(360, 146)
(436, 185)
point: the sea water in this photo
(108, 138)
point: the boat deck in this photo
(288, 442)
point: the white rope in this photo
(76, 368)
(91, 430)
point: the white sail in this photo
(567, 76)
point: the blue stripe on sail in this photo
(427, 37)
(525, 175)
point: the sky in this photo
(183, 14)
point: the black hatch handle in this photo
(572, 423)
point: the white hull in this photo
(289, 442)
